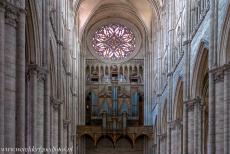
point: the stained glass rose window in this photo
(114, 42)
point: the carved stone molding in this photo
(219, 72)
(97, 132)
(2, 6)
(176, 124)
(66, 122)
(73, 92)
(41, 72)
(60, 42)
(162, 136)
(19, 3)
(219, 76)
(55, 103)
(68, 73)
(191, 104)
(11, 13)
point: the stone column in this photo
(2, 89)
(40, 107)
(47, 113)
(212, 64)
(170, 73)
(186, 85)
(219, 110)
(55, 121)
(47, 79)
(20, 81)
(211, 115)
(32, 102)
(66, 124)
(190, 137)
(36, 101)
(10, 76)
(227, 110)
(74, 123)
(197, 103)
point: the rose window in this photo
(114, 42)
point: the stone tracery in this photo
(114, 42)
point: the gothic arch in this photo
(178, 101)
(32, 35)
(224, 44)
(200, 69)
(200, 91)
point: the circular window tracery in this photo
(114, 42)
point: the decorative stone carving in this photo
(191, 103)
(219, 72)
(2, 6)
(35, 69)
(19, 4)
(66, 122)
(55, 103)
(219, 76)
(162, 136)
(132, 132)
(60, 42)
(11, 15)
(176, 124)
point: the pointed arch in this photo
(32, 35)
(200, 90)
(200, 69)
(224, 44)
(178, 101)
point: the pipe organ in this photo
(114, 95)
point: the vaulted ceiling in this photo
(140, 10)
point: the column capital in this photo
(175, 124)
(68, 73)
(66, 122)
(219, 72)
(219, 76)
(60, 42)
(11, 13)
(2, 5)
(55, 102)
(190, 104)
(162, 136)
(40, 71)
(220, 68)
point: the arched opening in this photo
(124, 143)
(103, 139)
(224, 52)
(177, 132)
(200, 90)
